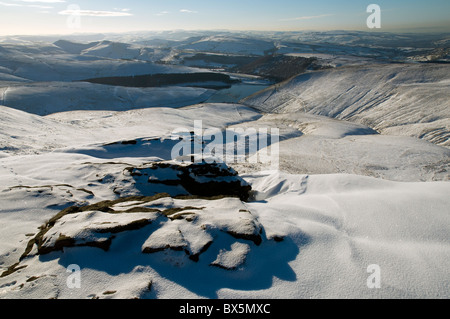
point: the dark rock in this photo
(200, 179)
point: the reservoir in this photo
(237, 92)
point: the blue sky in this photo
(66, 16)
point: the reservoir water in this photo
(236, 93)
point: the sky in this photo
(32, 17)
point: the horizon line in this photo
(429, 30)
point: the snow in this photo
(344, 223)
(320, 145)
(363, 177)
(92, 130)
(90, 227)
(331, 234)
(233, 258)
(319, 233)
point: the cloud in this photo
(187, 11)
(39, 6)
(162, 13)
(42, 1)
(7, 4)
(308, 17)
(124, 10)
(94, 13)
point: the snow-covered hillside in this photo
(231, 44)
(317, 234)
(48, 62)
(112, 50)
(394, 99)
(45, 98)
(315, 144)
(25, 133)
(98, 202)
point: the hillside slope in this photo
(395, 99)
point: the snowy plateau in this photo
(93, 204)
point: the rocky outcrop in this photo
(184, 223)
(210, 212)
(199, 179)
